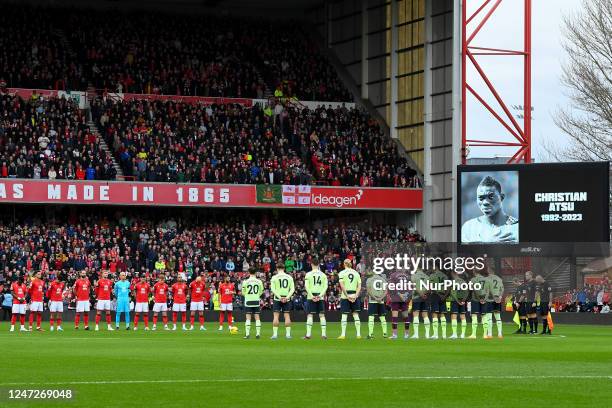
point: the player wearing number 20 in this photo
(282, 287)
(316, 287)
(350, 287)
(252, 289)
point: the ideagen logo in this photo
(336, 201)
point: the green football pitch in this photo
(571, 368)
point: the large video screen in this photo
(552, 202)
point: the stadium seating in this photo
(162, 54)
(295, 67)
(33, 58)
(171, 141)
(142, 53)
(134, 244)
(49, 138)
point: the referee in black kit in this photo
(529, 302)
(517, 305)
(544, 293)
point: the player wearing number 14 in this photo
(252, 289)
(316, 287)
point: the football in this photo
(234, 330)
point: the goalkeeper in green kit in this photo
(315, 283)
(252, 289)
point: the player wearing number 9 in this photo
(350, 287)
(282, 287)
(494, 225)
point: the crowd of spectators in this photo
(48, 138)
(211, 247)
(175, 141)
(591, 298)
(31, 55)
(174, 55)
(162, 53)
(295, 67)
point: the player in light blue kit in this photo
(122, 293)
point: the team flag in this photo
(549, 319)
(269, 194)
(516, 318)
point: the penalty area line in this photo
(304, 379)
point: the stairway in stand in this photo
(94, 129)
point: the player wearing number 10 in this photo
(282, 287)
(252, 289)
(350, 287)
(316, 287)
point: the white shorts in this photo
(82, 306)
(179, 307)
(227, 307)
(142, 307)
(56, 306)
(19, 309)
(160, 307)
(36, 306)
(103, 305)
(196, 306)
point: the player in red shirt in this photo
(226, 293)
(160, 299)
(55, 293)
(82, 289)
(37, 294)
(19, 291)
(142, 290)
(179, 300)
(196, 292)
(103, 290)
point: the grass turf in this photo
(205, 369)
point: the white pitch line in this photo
(304, 379)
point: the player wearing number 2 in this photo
(350, 288)
(316, 287)
(252, 289)
(282, 287)
(495, 291)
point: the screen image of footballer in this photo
(536, 203)
(234, 203)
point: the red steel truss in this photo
(517, 136)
